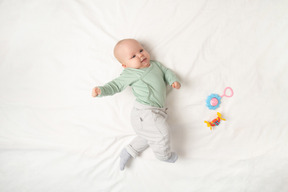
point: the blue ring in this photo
(209, 99)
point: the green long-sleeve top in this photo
(148, 84)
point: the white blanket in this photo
(54, 137)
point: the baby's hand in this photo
(96, 91)
(176, 85)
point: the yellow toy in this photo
(215, 122)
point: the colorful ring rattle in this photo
(213, 101)
(215, 122)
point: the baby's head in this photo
(131, 54)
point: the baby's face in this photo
(131, 54)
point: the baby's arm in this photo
(115, 86)
(111, 88)
(170, 77)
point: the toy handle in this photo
(224, 94)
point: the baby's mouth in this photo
(144, 59)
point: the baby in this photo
(148, 80)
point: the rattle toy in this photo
(215, 122)
(213, 101)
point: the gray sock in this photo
(172, 158)
(124, 158)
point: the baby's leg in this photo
(160, 140)
(136, 146)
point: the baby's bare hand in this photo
(176, 85)
(96, 91)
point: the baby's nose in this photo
(140, 55)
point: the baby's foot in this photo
(172, 158)
(124, 158)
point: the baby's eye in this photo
(141, 50)
(133, 56)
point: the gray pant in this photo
(152, 129)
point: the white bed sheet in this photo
(55, 137)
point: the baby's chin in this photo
(145, 65)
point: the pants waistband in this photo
(141, 106)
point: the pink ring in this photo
(224, 94)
